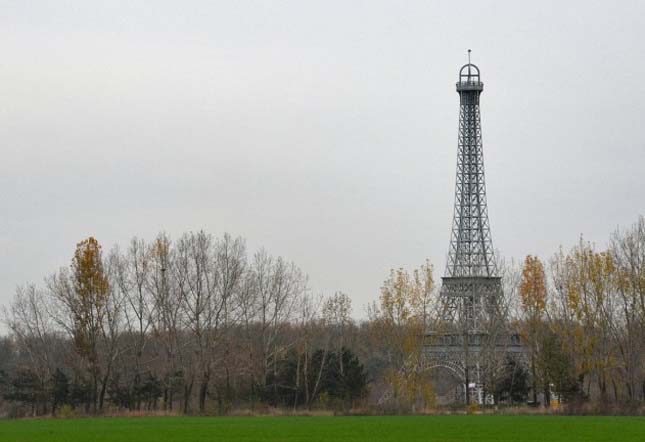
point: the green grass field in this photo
(314, 429)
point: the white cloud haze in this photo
(323, 131)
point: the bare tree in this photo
(210, 274)
(229, 262)
(166, 316)
(307, 315)
(337, 311)
(131, 275)
(33, 331)
(628, 252)
(278, 286)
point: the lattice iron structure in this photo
(472, 327)
(471, 247)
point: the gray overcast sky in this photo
(323, 131)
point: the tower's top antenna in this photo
(469, 56)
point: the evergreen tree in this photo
(26, 387)
(59, 389)
(513, 385)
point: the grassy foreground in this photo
(314, 429)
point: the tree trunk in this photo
(318, 377)
(615, 387)
(203, 392)
(95, 393)
(533, 379)
(306, 376)
(547, 396)
(295, 396)
(467, 393)
(188, 390)
(102, 393)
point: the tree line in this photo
(190, 324)
(582, 317)
(199, 325)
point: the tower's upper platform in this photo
(469, 78)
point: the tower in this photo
(470, 329)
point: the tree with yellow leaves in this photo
(533, 295)
(91, 290)
(590, 295)
(400, 323)
(586, 280)
(87, 311)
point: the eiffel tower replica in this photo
(471, 332)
